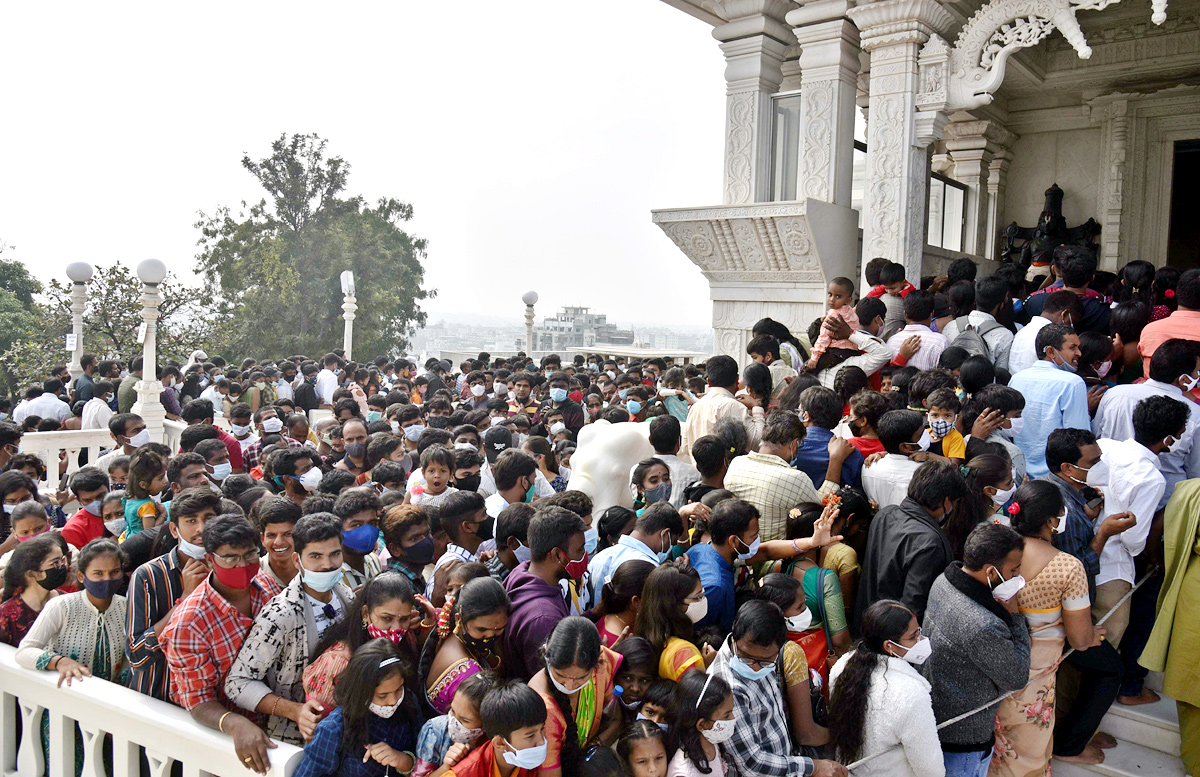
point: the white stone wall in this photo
(1070, 158)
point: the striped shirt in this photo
(154, 589)
(932, 345)
(252, 455)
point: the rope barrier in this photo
(1051, 670)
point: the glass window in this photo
(785, 146)
(947, 212)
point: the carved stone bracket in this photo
(966, 75)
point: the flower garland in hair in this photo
(965, 470)
(829, 499)
(443, 620)
(1014, 508)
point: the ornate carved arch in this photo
(967, 74)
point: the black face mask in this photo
(480, 644)
(54, 578)
(439, 421)
(469, 483)
(356, 450)
(421, 553)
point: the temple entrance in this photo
(1183, 247)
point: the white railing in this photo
(136, 723)
(49, 446)
(172, 430)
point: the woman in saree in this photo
(1057, 609)
(468, 641)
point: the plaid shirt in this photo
(252, 456)
(773, 486)
(761, 744)
(202, 640)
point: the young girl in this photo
(827, 636)
(674, 600)
(827, 352)
(703, 723)
(658, 703)
(446, 739)
(675, 396)
(881, 703)
(642, 749)
(83, 634)
(639, 668)
(786, 592)
(614, 522)
(147, 479)
(374, 728)
(118, 473)
(468, 640)
(389, 610)
(112, 511)
(650, 482)
(543, 452)
(35, 569)
(620, 599)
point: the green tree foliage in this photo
(275, 268)
(36, 341)
(16, 280)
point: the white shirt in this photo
(682, 475)
(932, 345)
(327, 383)
(1024, 350)
(487, 483)
(248, 441)
(1134, 485)
(999, 341)
(283, 390)
(718, 403)
(495, 504)
(1114, 420)
(96, 413)
(875, 354)
(45, 406)
(886, 481)
(602, 566)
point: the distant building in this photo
(575, 327)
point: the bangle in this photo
(795, 548)
(221, 722)
(425, 625)
(276, 704)
(413, 758)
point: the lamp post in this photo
(79, 273)
(148, 404)
(530, 299)
(349, 307)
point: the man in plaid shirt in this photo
(207, 629)
(268, 422)
(761, 744)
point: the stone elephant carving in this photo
(601, 464)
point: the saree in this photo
(441, 692)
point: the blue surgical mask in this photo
(634, 406)
(743, 669)
(1063, 365)
(373, 415)
(558, 394)
(322, 581)
(623, 394)
(591, 539)
(362, 539)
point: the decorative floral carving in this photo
(1019, 33)
(818, 139)
(739, 142)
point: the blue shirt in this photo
(812, 458)
(716, 575)
(1054, 399)
(323, 755)
(602, 566)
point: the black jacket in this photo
(906, 551)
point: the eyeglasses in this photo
(57, 563)
(755, 662)
(239, 559)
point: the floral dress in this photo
(1025, 721)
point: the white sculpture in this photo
(601, 464)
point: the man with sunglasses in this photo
(761, 743)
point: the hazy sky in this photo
(532, 138)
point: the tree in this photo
(275, 269)
(111, 319)
(16, 280)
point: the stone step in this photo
(1155, 726)
(1124, 760)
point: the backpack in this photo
(971, 339)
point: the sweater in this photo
(980, 652)
(899, 720)
(537, 607)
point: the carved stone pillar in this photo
(829, 65)
(894, 218)
(755, 44)
(1113, 116)
(973, 145)
(997, 183)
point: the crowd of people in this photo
(940, 533)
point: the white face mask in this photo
(753, 549)
(1188, 382)
(478, 390)
(800, 622)
(720, 732)
(389, 710)
(272, 426)
(1000, 498)
(311, 479)
(1007, 588)
(529, 758)
(1097, 474)
(562, 688)
(140, 439)
(925, 441)
(222, 471)
(1173, 446)
(918, 653)
(239, 430)
(1061, 526)
(190, 550)
(1018, 424)
(697, 610)
(460, 733)
(499, 388)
